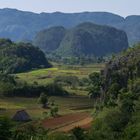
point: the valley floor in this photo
(74, 110)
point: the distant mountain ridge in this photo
(19, 25)
(85, 39)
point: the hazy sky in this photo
(122, 7)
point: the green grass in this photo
(65, 104)
(45, 76)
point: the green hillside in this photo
(118, 101)
(123, 70)
(49, 40)
(20, 57)
(86, 39)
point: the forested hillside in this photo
(49, 40)
(117, 103)
(20, 57)
(18, 25)
(86, 39)
(89, 39)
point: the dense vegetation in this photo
(7, 84)
(49, 40)
(122, 72)
(116, 111)
(93, 40)
(86, 39)
(80, 60)
(20, 57)
(11, 88)
(19, 25)
(119, 98)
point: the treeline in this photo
(81, 60)
(9, 87)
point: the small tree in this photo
(94, 89)
(54, 111)
(43, 99)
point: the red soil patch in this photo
(68, 122)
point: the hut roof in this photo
(21, 115)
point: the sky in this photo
(121, 7)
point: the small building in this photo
(21, 116)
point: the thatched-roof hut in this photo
(21, 116)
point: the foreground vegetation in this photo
(115, 96)
(116, 105)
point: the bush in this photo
(78, 133)
(5, 128)
(43, 99)
(58, 136)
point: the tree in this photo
(54, 89)
(5, 129)
(43, 99)
(95, 78)
(54, 111)
(7, 84)
(94, 90)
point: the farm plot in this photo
(68, 122)
(45, 76)
(66, 105)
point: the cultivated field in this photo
(66, 105)
(45, 76)
(67, 122)
(74, 110)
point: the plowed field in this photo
(67, 122)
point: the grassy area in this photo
(45, 76)
(66, 105)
